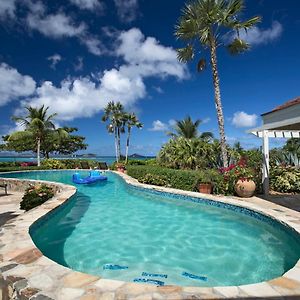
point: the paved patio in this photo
(10, 206)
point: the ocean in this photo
(108, 159)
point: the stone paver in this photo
(27, 274)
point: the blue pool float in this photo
(87, 180)
(95, 174)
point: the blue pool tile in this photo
(154, 275)
(192, 276)
(114, 267)
(151, 281)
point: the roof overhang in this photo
(289, 128)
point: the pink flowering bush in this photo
(233, 173)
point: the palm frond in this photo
(185, 54)
(238, 46)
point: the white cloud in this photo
(88, 4)
(86, 96)
(127, 10)
(59, 25)
(14, 85)
(158, 89)
(159, 126)
(7, 8)
(146, 56)
(172, 122)
(206, 120)
(242, 119)
(54, 59)
(94, 45)
(257, 36)
(55, 25)
(78, 66)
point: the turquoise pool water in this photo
(114, 223)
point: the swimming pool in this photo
(153, 233)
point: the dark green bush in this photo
(10, 169)
(35, 196)
(159, 180)
(179, 179)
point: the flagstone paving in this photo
(27, 274)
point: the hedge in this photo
(179, 179)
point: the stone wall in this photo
(20, 185)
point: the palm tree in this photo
(188, 129)
(131, 121)
(114, 113)
(37, 122)
(206, 23)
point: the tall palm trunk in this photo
(119, 143)
(127, 144)
(218, 103)
(38, 152)
(116, 144)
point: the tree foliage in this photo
(188, 129)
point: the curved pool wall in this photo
(64, 232)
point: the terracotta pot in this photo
(205, 188)
(245, 188)
(121, 169)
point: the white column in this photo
(266, 165)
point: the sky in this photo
(77, 55)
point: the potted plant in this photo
(120, 167)
(204, 185)
(244, 184)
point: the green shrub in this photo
(285, 180)
(179, 179)
(35, 196)
(159, 180)
(11, 169)
(51, 163)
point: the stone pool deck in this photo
(27, 274)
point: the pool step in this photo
(151, 281)
(114, 267)
(192, 276)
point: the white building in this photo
(282, 122)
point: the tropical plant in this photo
(131, 121)
(37, 123)
(206, 23)
(188, 129)
(185, 153)
(114, 113)
(35, 196)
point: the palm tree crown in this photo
(205, 24)
(188, 129)
(38, 123)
